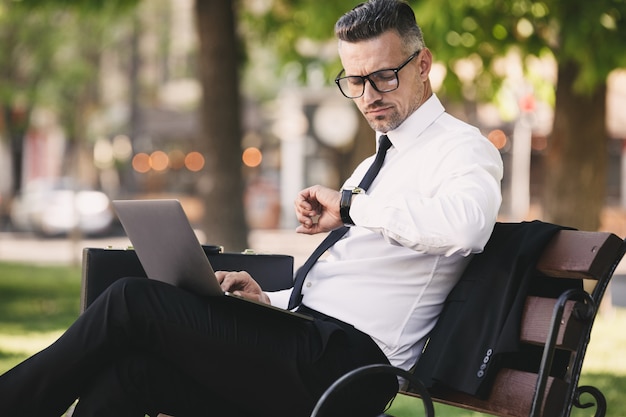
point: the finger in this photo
(306, 222)
(308, 229)
(247, 294)
(230, 281)
(304, 206)
(220, 275)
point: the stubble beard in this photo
(385, 123)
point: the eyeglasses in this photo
(383, 81)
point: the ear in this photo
(425, 63)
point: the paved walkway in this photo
(23, 247)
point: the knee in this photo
(139, 292)
(123, 286)
(125, 300)
(124, 289)
(128, 282)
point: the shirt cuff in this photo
(280, 298)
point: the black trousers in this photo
(147, 347)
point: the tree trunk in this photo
(221, 187)
(575, 184)
(16, 120)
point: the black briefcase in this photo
(101, 267)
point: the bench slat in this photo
(511, 396)
(536, 323)
(577, 254)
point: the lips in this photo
(377, 111)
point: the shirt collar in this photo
(404, 135)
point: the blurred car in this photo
(53, 207)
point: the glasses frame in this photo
(339, 78)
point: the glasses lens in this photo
(351, 87)
(385, 80)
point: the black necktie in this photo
(334, 236)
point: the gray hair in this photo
(374, 17)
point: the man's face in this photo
(386, 111)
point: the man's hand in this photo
(317, 210)
(240, 283)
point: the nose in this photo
(370, 94)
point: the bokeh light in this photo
(141, 162)
(252, 157)
(194, 161)
(498, 138)
(159, 161)
(122, 147)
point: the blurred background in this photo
(230, 106)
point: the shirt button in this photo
(308, 284)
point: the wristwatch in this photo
(346, 202)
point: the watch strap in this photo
(346, 202)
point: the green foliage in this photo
(51, 55)
(588, 33)
(591, 33)
(299, 31)
(49, 52)
(89, 6)
(26, 55)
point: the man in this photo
(431, 201)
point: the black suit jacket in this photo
(480, 322)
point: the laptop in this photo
(169, 250)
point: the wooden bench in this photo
(562, 326)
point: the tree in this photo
(221, 133)
(50, 58)
(584, 38)
(25, 60)
(222, 184)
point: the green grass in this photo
(38, 303)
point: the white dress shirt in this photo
(432, 205)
